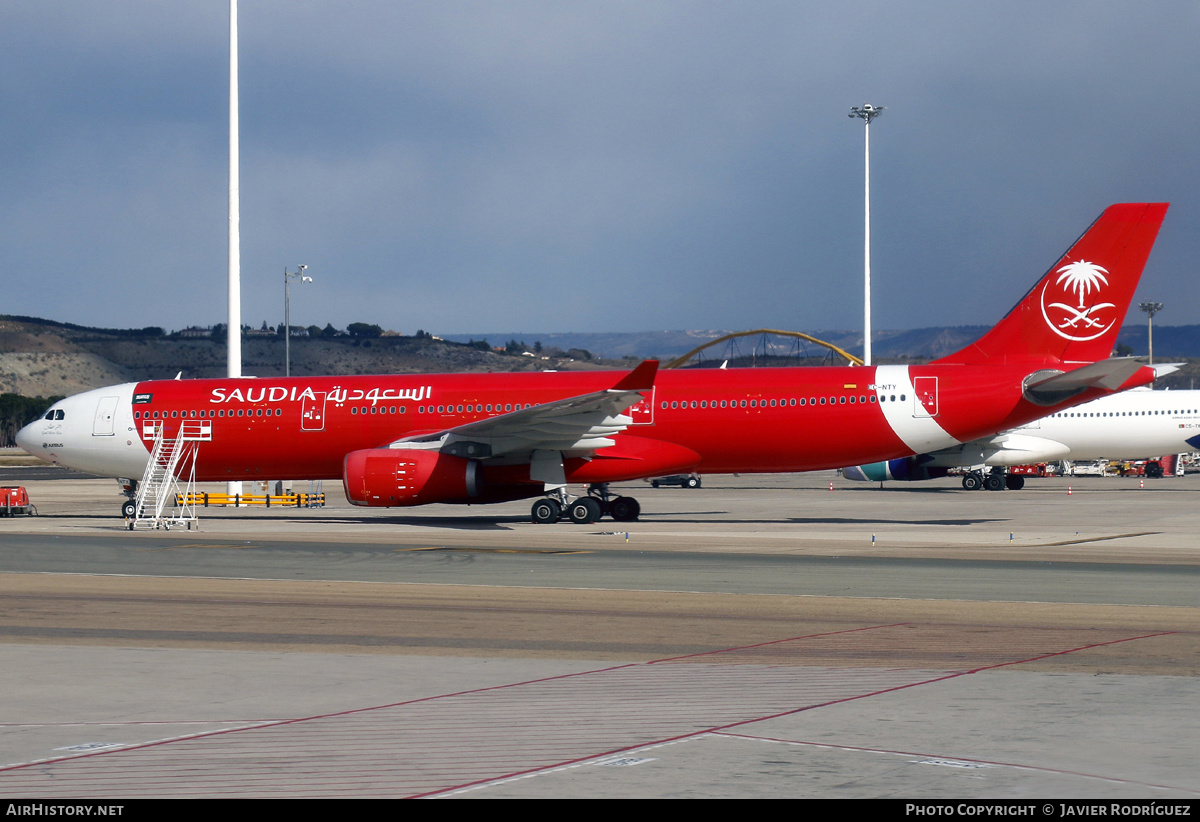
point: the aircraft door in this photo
(642, 412)
(106, 411)
(312, 412)
(925, 396)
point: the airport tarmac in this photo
(760, 636)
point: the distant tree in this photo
(219, 332)
(329, 332)
(363, 330)
(423, 335)
(481, 345)
(1124, 350)
(579, 354)
(537, 346)
(514, 347)
(314, 331)
(16, 411)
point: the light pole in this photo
(868, 113)
(1151, 309)
(298, 274)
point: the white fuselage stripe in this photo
(919, 431)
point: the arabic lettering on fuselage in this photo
(337, 394)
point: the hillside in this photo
(44, 358)
(1179, 341)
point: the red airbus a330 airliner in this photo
(398, 440)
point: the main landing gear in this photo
(995, 480)
(587, 509)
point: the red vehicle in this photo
(14, 500)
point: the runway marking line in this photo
(353, 711)
(624, 750)
(721, 728)
(963, 759)
(777, 642)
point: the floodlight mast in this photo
(1151, 309)
(298, 274)
(867, 113)
(233, 336)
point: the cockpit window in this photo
(58, 415)
(54, 414)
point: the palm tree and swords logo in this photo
(1078, 322)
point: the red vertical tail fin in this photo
(1075, 311)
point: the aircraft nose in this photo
(26, 437)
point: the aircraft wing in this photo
(582, 423)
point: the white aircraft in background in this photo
(1138, 424)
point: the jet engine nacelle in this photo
(905, 469)
(392, 477)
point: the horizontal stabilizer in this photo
(1051, 387)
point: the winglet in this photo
(640, 378)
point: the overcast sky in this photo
(585, 166)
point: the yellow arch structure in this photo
(678, 361)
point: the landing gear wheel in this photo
(584, 511)
(1154, 470)
(624, 509)
(972, 482)
(546, 510)
(1014, 482)
(129, 509)
(994, 482)
(692, 482)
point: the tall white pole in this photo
(867, 245)
(234, 358)
(868, 113)
(234, 335)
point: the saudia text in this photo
(337, 394)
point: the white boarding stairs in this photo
(170, 479)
